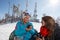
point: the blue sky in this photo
(50, 7)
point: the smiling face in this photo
(26, 19)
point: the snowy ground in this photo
(6, 29)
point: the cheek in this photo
(26, 20)
(43, 24)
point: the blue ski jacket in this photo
(21, 30)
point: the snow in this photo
(6, 29)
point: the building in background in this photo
(17, 14)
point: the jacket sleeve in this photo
(32, 31)
(57, 34)
(16, 28)
(16, 25)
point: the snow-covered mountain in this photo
(6, 29)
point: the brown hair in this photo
(49, 23)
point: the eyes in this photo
(27, 17)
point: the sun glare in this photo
(53, 2)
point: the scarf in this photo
(44, 31)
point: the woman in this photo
(47, 28)
(21, 30)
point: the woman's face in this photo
(26, 19)
(43, 23)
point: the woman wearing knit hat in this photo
(21, 31)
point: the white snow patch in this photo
(6, 29)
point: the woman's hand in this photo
(43, 38)
(28, 29)
(39, 38)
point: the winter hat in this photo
(25, 14)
